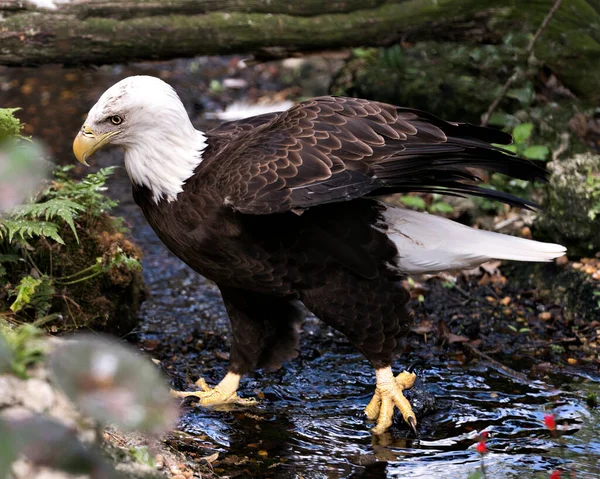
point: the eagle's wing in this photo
(332, 149)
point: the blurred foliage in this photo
(21, 165)
(10, 126)
(433, 203)
(522, 144)
(5, 357)
(113, 384)
(105, 379)
(39, 438)
(8, 452)
(22, 347)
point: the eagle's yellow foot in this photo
(224, 393)
(388, 394)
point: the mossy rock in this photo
(571, 214)
(452, 80)
(10, 126)
(107, 302)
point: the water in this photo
(309, 423)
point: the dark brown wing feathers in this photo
(333, 149)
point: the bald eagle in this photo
(281, 209)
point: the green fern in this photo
(25, 229)
(88, 192)
(65, 209)
(33, 293)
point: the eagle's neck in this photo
(162, 163)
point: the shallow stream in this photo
(309, 423)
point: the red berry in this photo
(550, 422)
(481, 447)
(555, 475)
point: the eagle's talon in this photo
(388, 394)
(224, 393)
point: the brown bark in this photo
(104, 31)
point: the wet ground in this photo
(309, 423)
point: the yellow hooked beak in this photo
(86, 143)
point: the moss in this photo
(10, 126)
(452, 80)
(108, 302)
(571, 213)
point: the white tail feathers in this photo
(431, 244)
(240, 110)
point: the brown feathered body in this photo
(280, 210)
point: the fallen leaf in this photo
(210, 459)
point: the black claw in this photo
(412, 366)
(412, 422)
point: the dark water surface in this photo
(309, 423)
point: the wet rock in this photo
(43, 420)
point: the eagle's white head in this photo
(144, 116)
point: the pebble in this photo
(545, 316)
(562, 260)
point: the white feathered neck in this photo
(164, 162)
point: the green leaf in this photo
(502, 119)
(143, 455)
(25, 291)
(65, 209)
(522, 132)
(536, 152)
(28, 229)
(512, 148)
(414, 202)
(9, 258)
(524, 95)
(441, 207)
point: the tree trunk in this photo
(79, 32)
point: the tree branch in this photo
(518, 73)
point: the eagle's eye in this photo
(116, 120)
